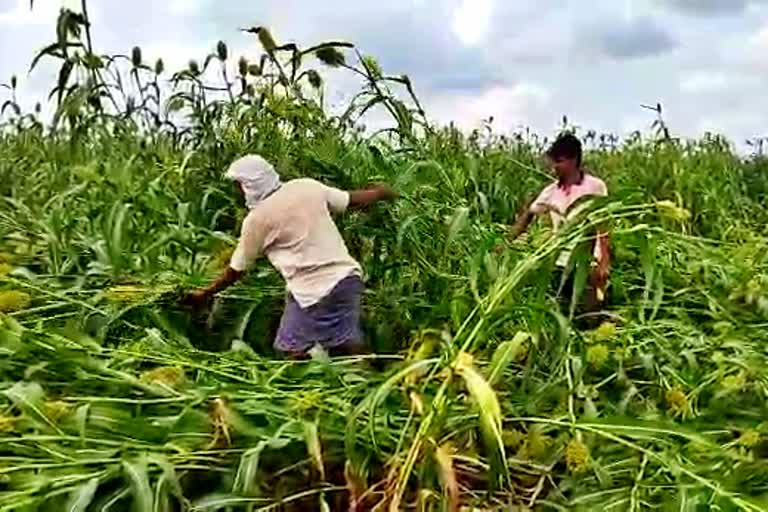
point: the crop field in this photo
(482, 394)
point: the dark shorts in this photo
(334, 322)
(588, 308)
(562, 285)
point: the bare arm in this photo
(524, 219)
(599, 275)
(604, 242)
(603, 263)
(226, 279)
(360, 199)
(201, 297)
(521, 224)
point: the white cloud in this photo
(740, 126)
(630, 38)
(749, 53)
(43, 13)
(182, 7)
(759, 41)
(175, 55)
(511, 106)
(709, 7)
(635, 122)
(704, 82)
(471, 21)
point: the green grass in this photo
(481, 394)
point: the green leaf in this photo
(29, 397)
(12, 105)
(52, 50)
(81, 419)
(372, 67)
(217, 501)
(169, 479)
(136, 473)
(370, 104)
(458, 223)
(314, 79)
(489, 411)
(64, 74)
(330, 56)
(246, 478)
(372, 401)
(265, 38)
(658, 295)
(83, 496)
(312, 440)
(506, 353)
(92, 61)
(175, 104)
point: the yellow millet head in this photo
(126, 293)
(220, 259)
(14, 300)
(672, 211)
(734, 382)
(597, 355)
(57, 410)
(170, 376)
(464, 360)
(513, 438)
(749, 438)
(576, 456)
(7, 424)
(606, 331)
(677, 401)
(307, 401)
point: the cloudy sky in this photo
(525, 62)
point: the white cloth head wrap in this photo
(257, 177)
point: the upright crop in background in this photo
(659, 125)
(12, 103)
(87, 80)
(483, 394)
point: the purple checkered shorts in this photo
(333, 322)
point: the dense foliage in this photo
(482, 394)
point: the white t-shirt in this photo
(557, 201)
(293, 228)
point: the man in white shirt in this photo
(559, 200)
(291, 225)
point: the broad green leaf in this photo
(314, 447)
(457, 224)
(506, 353)
(82, 497)
(136, 473)
(489, 410)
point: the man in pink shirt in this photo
(559, 200)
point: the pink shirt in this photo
(557, 201)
